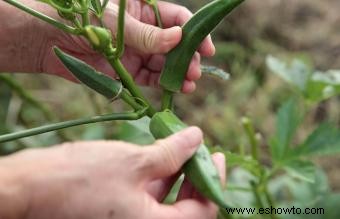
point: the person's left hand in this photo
(145, 43)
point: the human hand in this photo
(146, 44)
(105, 179)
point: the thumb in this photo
(151, 39)
(168, 155)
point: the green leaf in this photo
(95, 80)
(330, 204)
(303, 170)
(247, 163)
(297, 73)
(289, 191)
(135, 132)
(315, 86)
(239, 177)
(325, 140)
(287, 122)
(173, 194)
(323, 85)
(96, 7)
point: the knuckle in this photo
(147, 37)
(168, 156)
(165, 42)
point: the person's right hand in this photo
(103, 179)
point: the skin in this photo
(100, 179)
(103, 179)
(28, 42)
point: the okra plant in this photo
(77, 15)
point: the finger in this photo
(150, 39)
(175, 15)
(159, 189)
(186, 209)
(194, 72)
(168, 155)
(188, 87)
(145, 77)
(156, 63)
(188, 191)
(219, 161)
(207, 48)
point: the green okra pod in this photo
(194, 32)
(200, 169)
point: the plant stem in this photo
(62, 125)
(157, 14)
(131, 101)
(249, 128)
(268, 197)
(85, 14)
(43, 17)
(167, 99)
(120, 30)
(257, 194)
(129, 83)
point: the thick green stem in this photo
(167, 100)
(129, 83)
(120, 30)
(85, 14)
(43, 17)
(62, 125)
(85, 18)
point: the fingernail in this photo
(172, 33)
(219, 159)
(195, 132)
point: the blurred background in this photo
(307, 31)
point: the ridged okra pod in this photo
(200, 169)
(194, 32)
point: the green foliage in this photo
(245, 162)
(135, 132)
(96, 7)
(288, 120)
(301, 169)
(287, 176)
(325, 140)
(315, 86)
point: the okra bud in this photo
(99, 37)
